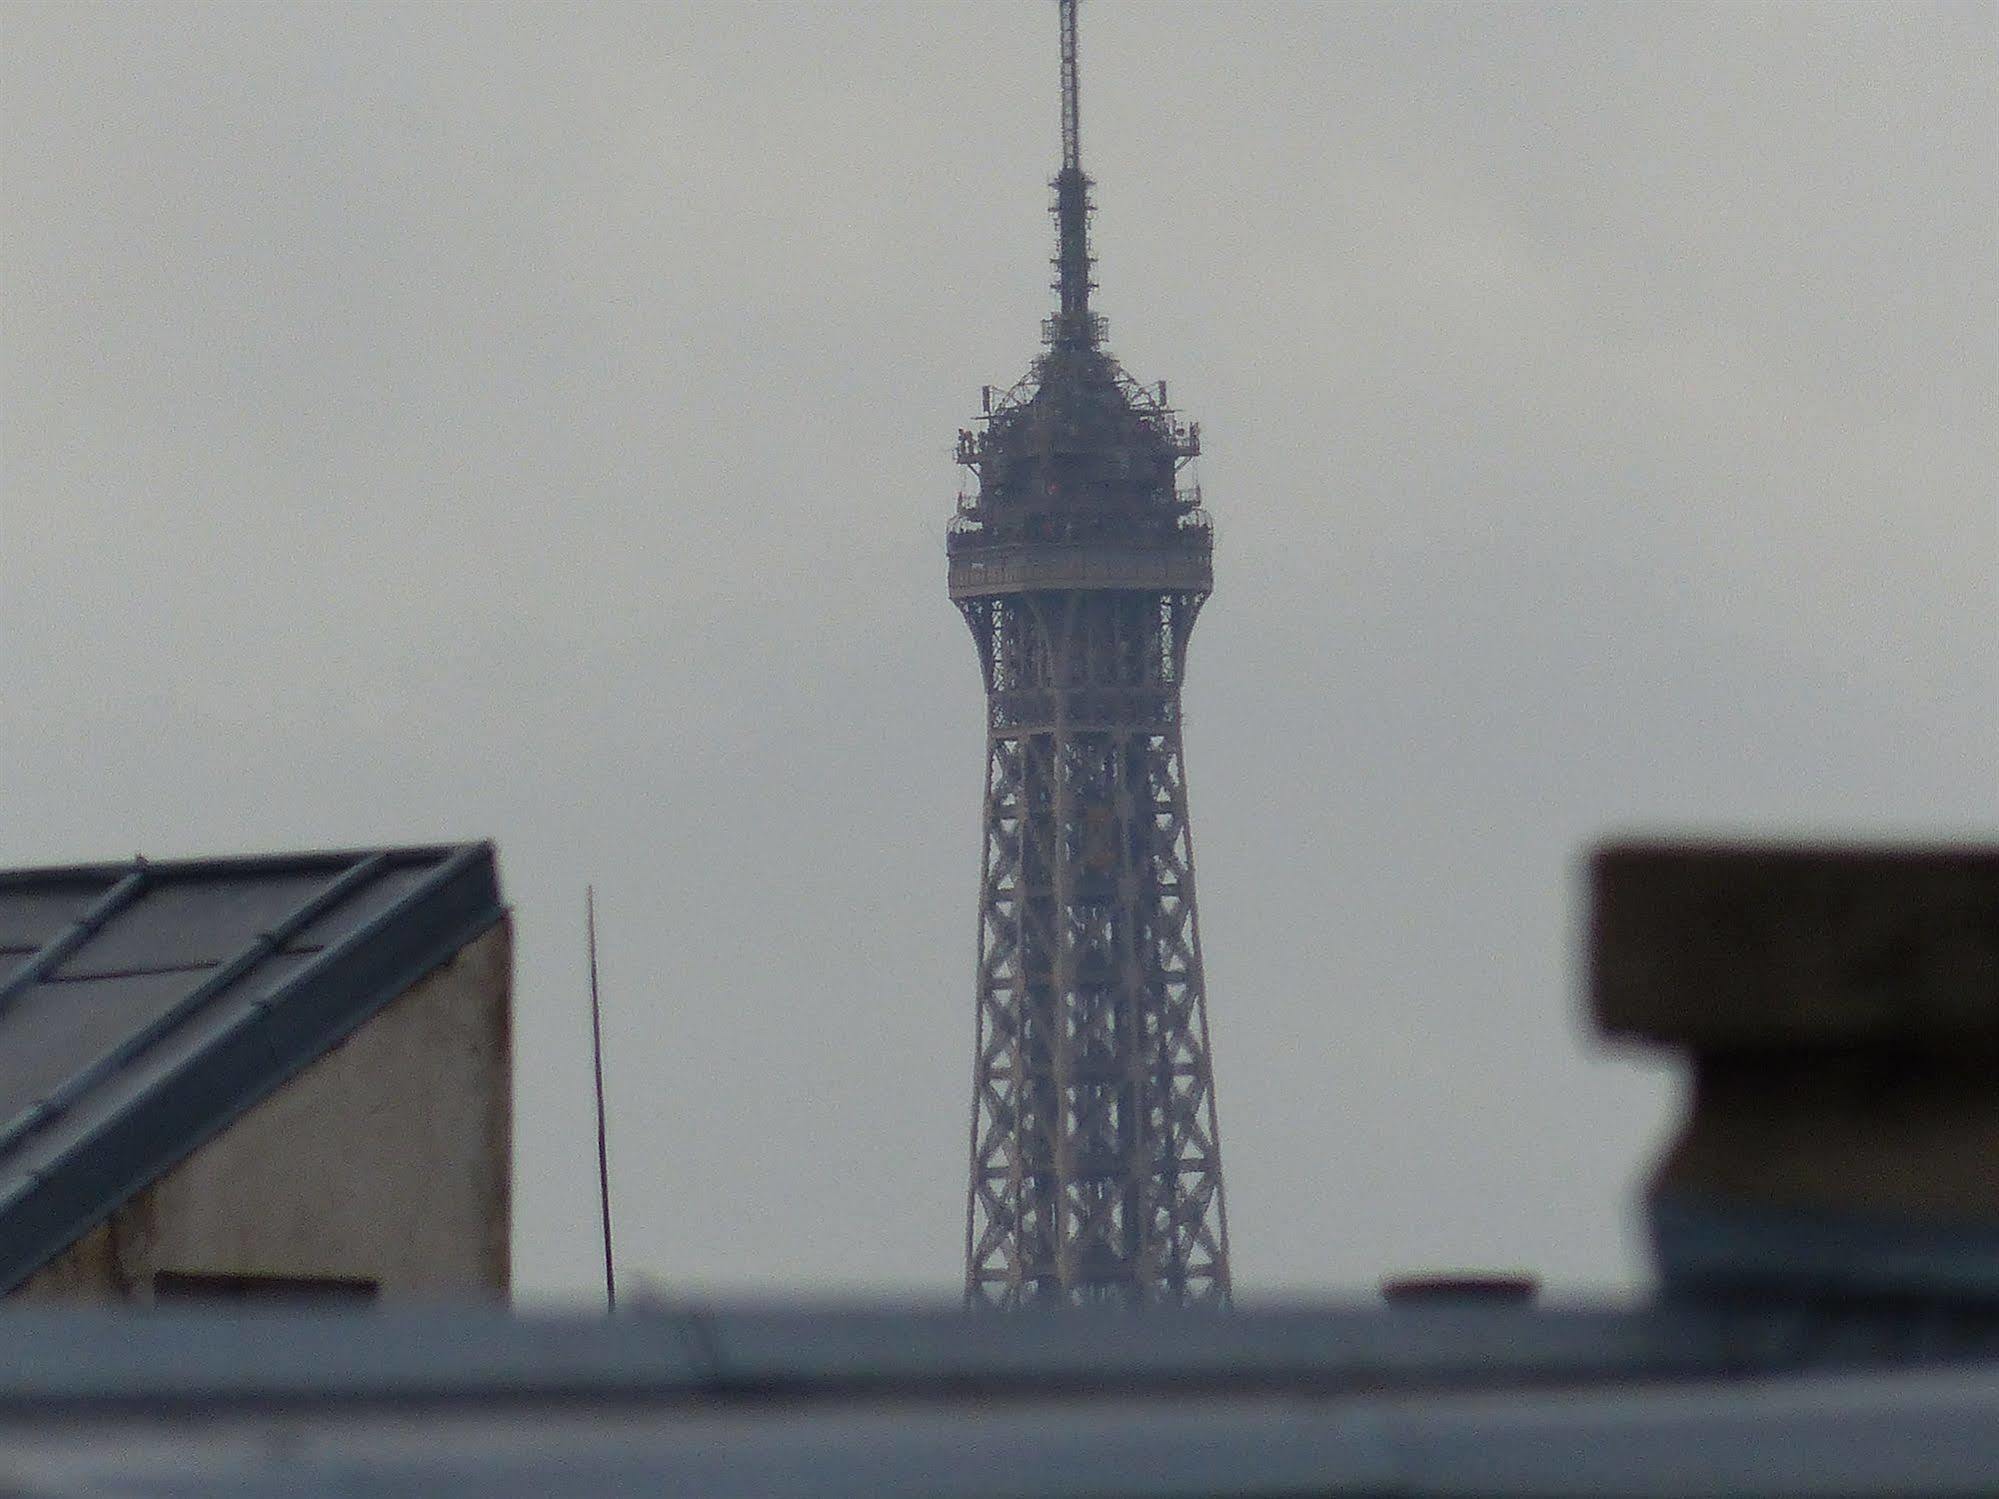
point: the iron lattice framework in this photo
(1080, 565)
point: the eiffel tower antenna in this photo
(1075, 326)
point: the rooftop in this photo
(143, 1006)
(1439, 1400)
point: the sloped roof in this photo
(143, 1006)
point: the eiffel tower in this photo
(1080, 563)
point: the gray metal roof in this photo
(403, 1355)
(1442, 1400)
(145, 1005)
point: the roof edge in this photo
(208, 864)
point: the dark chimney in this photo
(1840, 1008)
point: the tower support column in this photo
(1095, 1172)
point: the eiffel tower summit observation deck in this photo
(1080, 564)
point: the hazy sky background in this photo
(535, 422)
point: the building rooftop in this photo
(143, 1006)
(1435, 1400)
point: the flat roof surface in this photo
(1452, 1400)
(143, 1006)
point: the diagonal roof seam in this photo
(52, 1105)
(132, 972)
(72, 937)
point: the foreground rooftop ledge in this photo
(1841, 1009)
(188, 1358)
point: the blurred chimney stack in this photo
(1840, 1008)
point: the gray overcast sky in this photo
(535, 421)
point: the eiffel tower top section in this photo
(1077, 465)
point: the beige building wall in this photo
(387, 1162)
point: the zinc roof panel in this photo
(360, 908)
(186, 922)
(56, 1029)
(155, 1065)
(31, 914)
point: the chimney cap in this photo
(1718, 946)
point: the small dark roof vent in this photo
(1487, 1287)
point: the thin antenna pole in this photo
(1072, 143)
(1075, 327)
(597, 1061)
